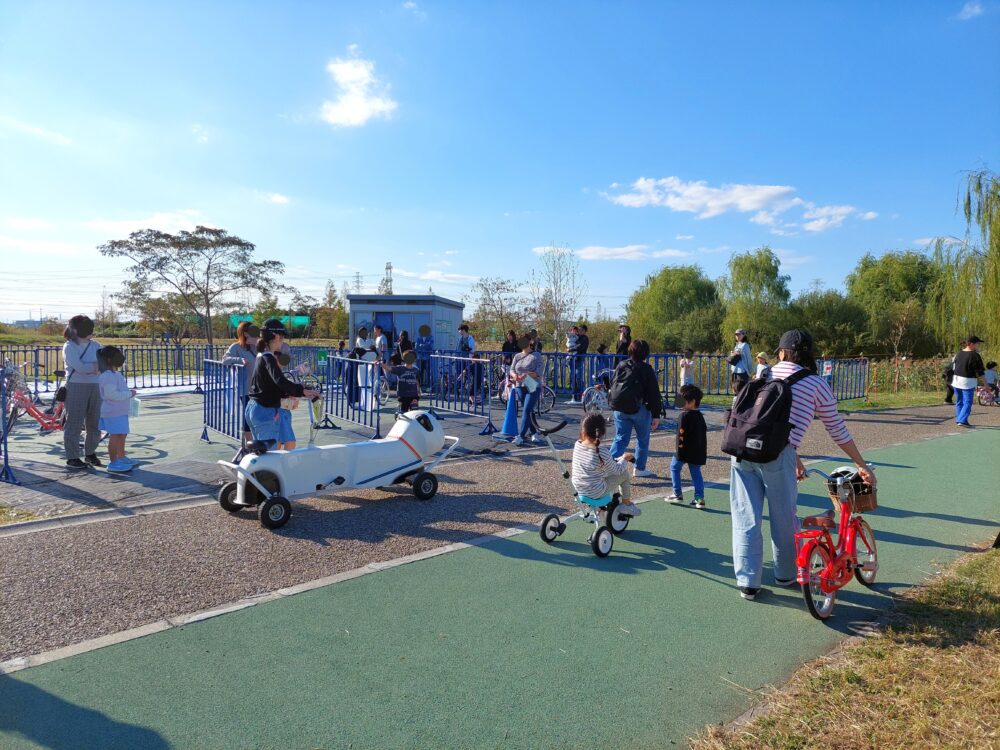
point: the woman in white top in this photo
(742, 368)
(362, 341)
(83, 394)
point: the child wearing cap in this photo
(763, 369)
(408, 381)
(115, 396)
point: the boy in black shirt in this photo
(692, 446)
(408, 382)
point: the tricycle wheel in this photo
(549, 530)
(819, 602)
(425, 485)
(601, 541)
(615, 520)
(227, 498)
(268, 479)
(867, 554)
(274, 512)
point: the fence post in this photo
(6, 474)
(490, 428)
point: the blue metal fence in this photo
(6, 474)
(352, 392)
(463, 384)
(848, 378)
(224, 389)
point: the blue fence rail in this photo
(224, 389)
(352, 392)
(6, 473)
(462, 383)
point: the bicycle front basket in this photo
(858, 496)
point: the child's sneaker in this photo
(749, 593)
(119, 467)
(699, 502)
(518, 440)
(675, 499)
(536, 438)
(626, 509)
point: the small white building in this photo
(407, 312)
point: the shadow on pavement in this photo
(51, 722)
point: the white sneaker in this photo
(574, 401)
(626, 509)
(675, 499)
(518, 440)
(536, 438)
(643, 473)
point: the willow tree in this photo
(967, 295)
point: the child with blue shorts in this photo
(115, 397)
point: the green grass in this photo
(930, 679)
(885, 401)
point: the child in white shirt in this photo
(595, 472)
(115, 397)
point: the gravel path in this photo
(68, 585)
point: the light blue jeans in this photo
(749, 484)
(624, 423)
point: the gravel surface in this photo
(68, 585)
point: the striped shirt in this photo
(811, 398)
(591, 471)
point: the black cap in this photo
(974, 339)
(797, 340)
(275, 326)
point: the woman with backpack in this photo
(804, 395)
(635, 398)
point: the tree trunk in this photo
(208, 322)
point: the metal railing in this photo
(224, 390)
(352, 392)
(6, 473)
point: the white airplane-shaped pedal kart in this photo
(268, 480)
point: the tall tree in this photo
(967, 296)
(756, 296)
(500, 303)
(839, 325)
(558, 288)
(677, 307)
(203, 267)
(883, 287)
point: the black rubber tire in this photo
(425, 485)
(549, 530)
(820, 605)
(601, 541)
(616, 522)
(227, 498)
(274, 512)
(270, 481)
(865, 538)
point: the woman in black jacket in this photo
(635, 398)
(268, 422)
(968, 369)
(510, 347)
(624, 341)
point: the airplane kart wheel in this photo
(274, 512)
(425, 485)
(819, 602)
(617, 522)
(549, 530)
(270, 482)
(227, 498)
(867, 555)
(601, 541)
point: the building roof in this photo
(403, 299)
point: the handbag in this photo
(529, 384)
(735, 358)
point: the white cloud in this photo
(165, 221)
(684, 237)
(451, 252)
(699, 198)
(438, 277)
(792, 259)
(923, 241)
(33, 130)
(868, 215)
(38, 247)
(360, 95)
(199, 133)
(25, 224)
(825, 217)
(276, 198)
(625, 252)
(970, 10)
(415, 9)
(670, 253)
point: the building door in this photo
(384, 319)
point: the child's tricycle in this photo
(269, 479)
(824, 567)
(604, 512)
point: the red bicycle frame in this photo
(843, 554)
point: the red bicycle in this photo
(21, 401)
(825, 567)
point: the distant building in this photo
(407, 312)
(32, 325)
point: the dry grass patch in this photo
(930, 679)
(12, 515)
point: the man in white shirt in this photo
(381, 343)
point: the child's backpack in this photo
(757, 427)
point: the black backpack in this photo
(625, 394)
(757, 427)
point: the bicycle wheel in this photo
(984, 397)
(819, 602)
(595, 400)
(14, 412)
(547, 401)
(867, 554)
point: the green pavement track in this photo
(514, 644)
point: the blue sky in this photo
(454, 138)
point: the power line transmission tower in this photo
(357, 282)
(385, 287)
